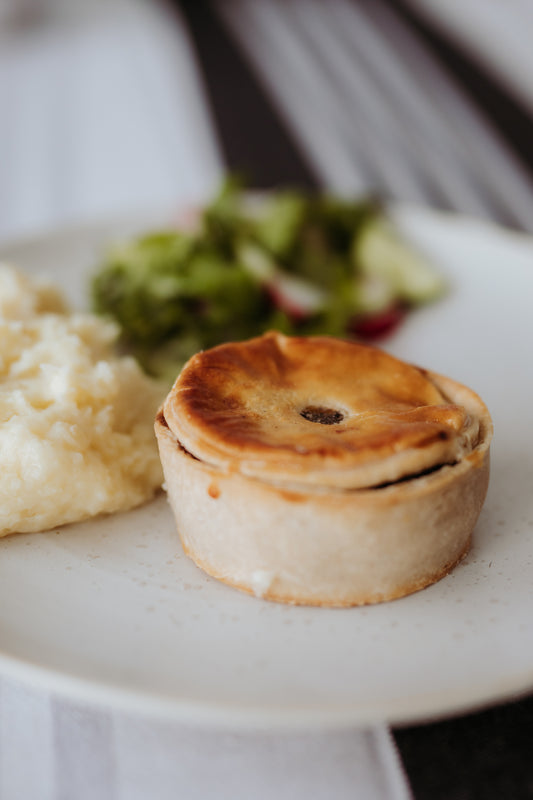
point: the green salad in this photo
(299, 262)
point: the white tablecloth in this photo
(101, 112)
(54, 749)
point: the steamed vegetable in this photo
(297, 262)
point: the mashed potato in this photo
(76, 420)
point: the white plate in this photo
(112, 611)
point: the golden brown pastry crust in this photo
(306, 540)
(319, 411)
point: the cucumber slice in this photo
(381, 252)
(373, 293)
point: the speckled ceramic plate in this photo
(112, 611)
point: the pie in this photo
(322, 471)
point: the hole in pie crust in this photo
(322, 415)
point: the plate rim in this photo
(226, 715)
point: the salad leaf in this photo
(294, 261)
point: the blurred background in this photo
(108, 107)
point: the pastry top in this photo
(319, 411)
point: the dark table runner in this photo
(488, 753)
